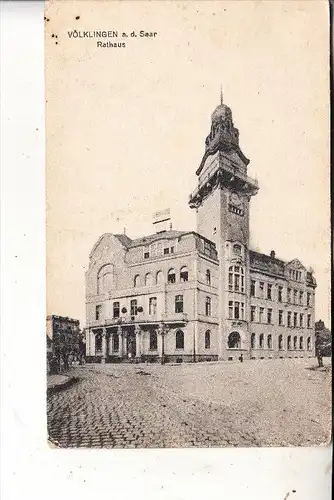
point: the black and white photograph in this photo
(188, 224)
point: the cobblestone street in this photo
(257, 403)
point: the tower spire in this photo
(221, 94)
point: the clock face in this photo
(236, 199)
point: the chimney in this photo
(272, 254)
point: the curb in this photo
(61, 387)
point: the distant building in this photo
(204, 295)
(62, 327)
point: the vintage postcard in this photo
(188, 223)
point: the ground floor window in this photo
(253, 341)
(153, 341)
(234, 340)
(179, 340)
(280, 342)
(207, 339)
(309, 344)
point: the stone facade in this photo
(192, 296)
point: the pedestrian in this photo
(241, 358)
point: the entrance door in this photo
(131, 347)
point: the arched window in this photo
(236, 279)
(148, 279)
(295, 342)
(301, 343)
(207, 339)
(237, 249)
(208, 277)
(234, 340)
(105, 279)
(289, 343)
(171, 276)
(179, 340)
(184, 273)
(261, 341)
(160, 278)
(253, 341)
(136, 280)
(269, 341)
(309, 344)
(280, 342)
(153, 341)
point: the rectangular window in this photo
(252, 288)
(236, 310)
(146, 252)
(242, 310)
(289, 318)
(295, 315)
(289, 295)
(309, 321)
(295, 296)
(98, 312)
(269, 315)
(280, 317)
(152, 306)
(116, 309)
(208, 306)
(280, 294)
(253, 312)
(179, 303)
(230, 309)
(269, 291)
(261, 289)
(261, 313)
(301, 320)
(133, 307)
(301, 298)
(308, 299)
(207, 339)
(171, 249)
(166, 251)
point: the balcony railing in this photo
(140, 319)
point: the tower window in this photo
(236, 280)
(207, 339)
(237, 249)
(208, 306)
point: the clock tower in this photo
(222, 200)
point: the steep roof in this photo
(266, 263)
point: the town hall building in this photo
(175, 296)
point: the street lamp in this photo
(162, 330)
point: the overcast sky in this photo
(126, 126)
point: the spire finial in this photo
(221, 94)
